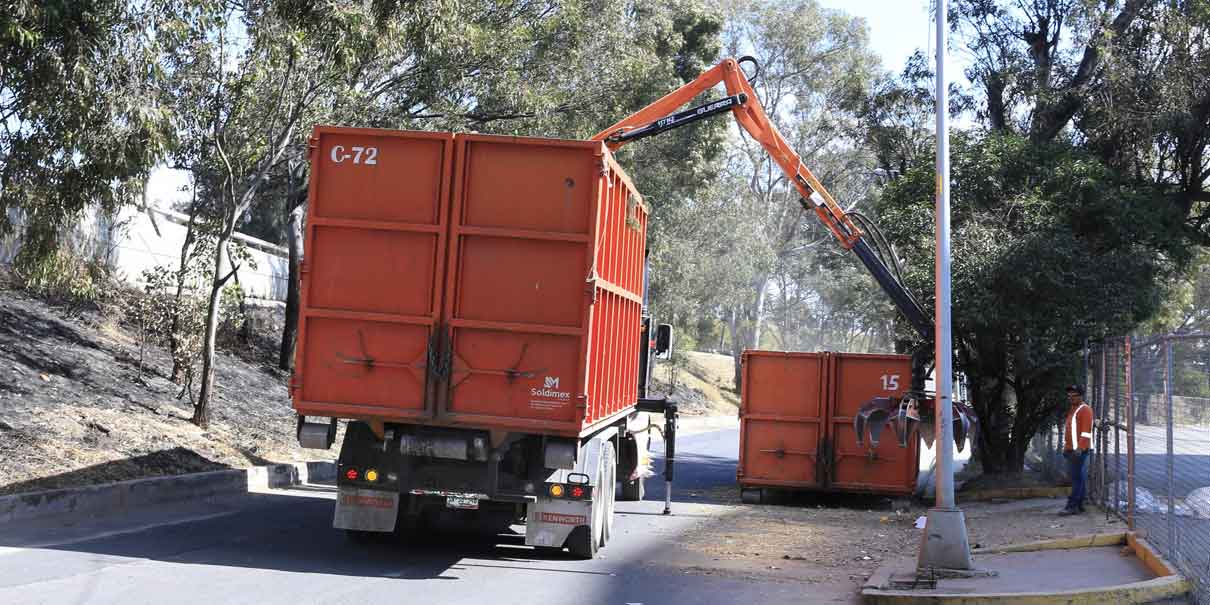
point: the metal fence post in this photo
(1117, 437)
(1171, 478)
(1099, 437)
(1129, 433)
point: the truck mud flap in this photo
(366, 509)
(549, 522)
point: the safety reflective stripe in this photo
(1075, 416)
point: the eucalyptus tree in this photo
(814, 62)
(1079, 190)
(80, 122)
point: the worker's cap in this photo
(1075, 388)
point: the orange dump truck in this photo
(474, 305)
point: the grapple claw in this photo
(903, 414)
(874, 416)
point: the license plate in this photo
(463, 502)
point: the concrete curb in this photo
(1013, 493)
(125, 495)
(1169, 585)
(1086, 541)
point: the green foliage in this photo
(64, 276)
(231, 313)
(169, 318)
(80, 120)
(1050, 247)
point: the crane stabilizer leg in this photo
(669, 410)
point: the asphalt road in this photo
(279, 547)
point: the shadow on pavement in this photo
(293, 533)
(173, 461)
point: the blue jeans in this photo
(1077, 468)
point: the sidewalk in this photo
(1102, 568)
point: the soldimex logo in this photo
(550, 390)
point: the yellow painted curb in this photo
(1169, 585)
(1136, 592)
(1013, 493)
(1152, 559)
(1086, 541)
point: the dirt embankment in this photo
(78, 406)
(82, 403)
(701, 384)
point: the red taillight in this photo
(577, 492)
(351, 474)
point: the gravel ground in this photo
(77, 407)
(837, 542)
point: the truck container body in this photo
(473, 305)
(470, 280)
(544, 292)
(887, 469)
(370, 302)
(783, 419)
(797, 430)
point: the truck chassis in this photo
(563, 490)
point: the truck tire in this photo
(581, 543)
(586, 540)
(361, 537)
(633, 491)
(610, 491)
(752, 495)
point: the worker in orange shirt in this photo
(1077, 442)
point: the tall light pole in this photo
(945, 544)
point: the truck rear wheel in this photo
(358, 536)
(586, 540)
(628, 457)
(610, 490)
(582, 543)
(633, 491)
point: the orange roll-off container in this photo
(469, 280)
(796, 423)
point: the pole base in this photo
(945, 545)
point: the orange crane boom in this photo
(751, 116)
(743, 103)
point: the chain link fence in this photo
(1151, 466)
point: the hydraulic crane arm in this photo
(743, 103)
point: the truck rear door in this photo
(372, 299)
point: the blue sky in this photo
(897, 27)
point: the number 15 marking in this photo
(890, 382)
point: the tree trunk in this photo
(201, 409)
(294, 238)
(762, 285)
(179, 363)
(737, 349)
(1002, 442)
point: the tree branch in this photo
(1050, 118)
